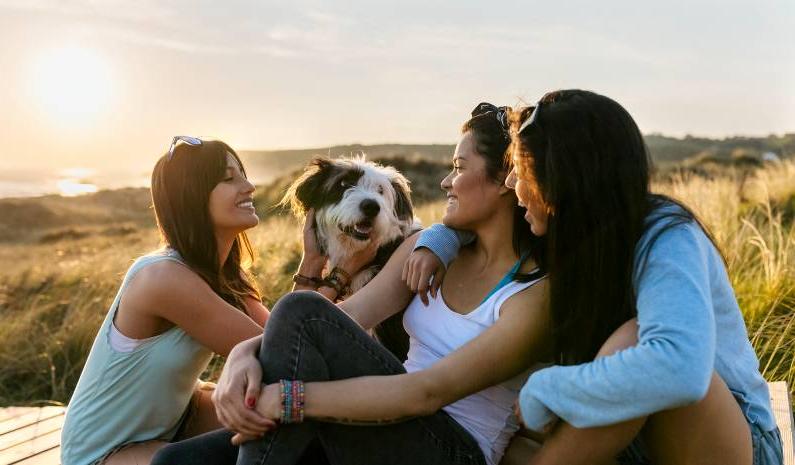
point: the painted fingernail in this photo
(250, 402)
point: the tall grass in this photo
(752, 217)
(54, 293)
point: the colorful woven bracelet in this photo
(292, 400)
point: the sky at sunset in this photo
(106, 83)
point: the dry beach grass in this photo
(58, 279)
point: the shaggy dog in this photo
(355, 202)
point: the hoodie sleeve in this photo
(444, 242)
(673, 361)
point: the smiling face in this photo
(472, 196)
(231, 201)
(523, 182)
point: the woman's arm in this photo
(258, 312)
(385, 294)
(511, 345)
(170, 291)
(443, 241)
(670, 366)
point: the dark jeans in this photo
(309, 338)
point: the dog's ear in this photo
(404, 210)
(304, 191)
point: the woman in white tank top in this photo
(471, 348)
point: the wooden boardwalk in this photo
(31, 435)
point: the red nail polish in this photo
(250, 402)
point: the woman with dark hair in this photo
(177, 306)
(471, 347)
(652, 358)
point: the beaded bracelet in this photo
(292, 400)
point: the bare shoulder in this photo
(160, 279)
(531, 301)
(164, 275)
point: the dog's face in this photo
(355, 202)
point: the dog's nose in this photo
(369, 207)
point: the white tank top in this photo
(434, 332)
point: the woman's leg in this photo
(213, 448)
(134, 454)
(309, 338)
(201, 416)
(711, 431)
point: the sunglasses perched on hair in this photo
(500, 112)
(192, 141)
(533, 117)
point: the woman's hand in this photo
(418, 269)
(517, 410)
(312, 261)
(238, 389)
(269, 405)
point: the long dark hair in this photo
(587, 158)
(181, 187)
(492, 139)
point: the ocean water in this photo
(68, 182)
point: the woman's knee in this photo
(167, 455)
(624, 337)
(298, 304)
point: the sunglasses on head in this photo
(547, 98)
(500, 112)
(192, 141)
(532, 119)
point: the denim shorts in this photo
(766, 446)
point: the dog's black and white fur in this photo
(355, 202)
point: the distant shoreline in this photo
(264, 166)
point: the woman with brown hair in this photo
(470, 349)
(176, 306)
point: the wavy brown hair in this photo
(181, 187)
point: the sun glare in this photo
(74, 181)
(72, 84)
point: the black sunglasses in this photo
(190, 140)
(500, 112)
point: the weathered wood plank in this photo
(50, 457)
(31, 432)
(29, 418)
(11, 412)
(30, 448)
(782, 409)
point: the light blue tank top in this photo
(133, 396)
